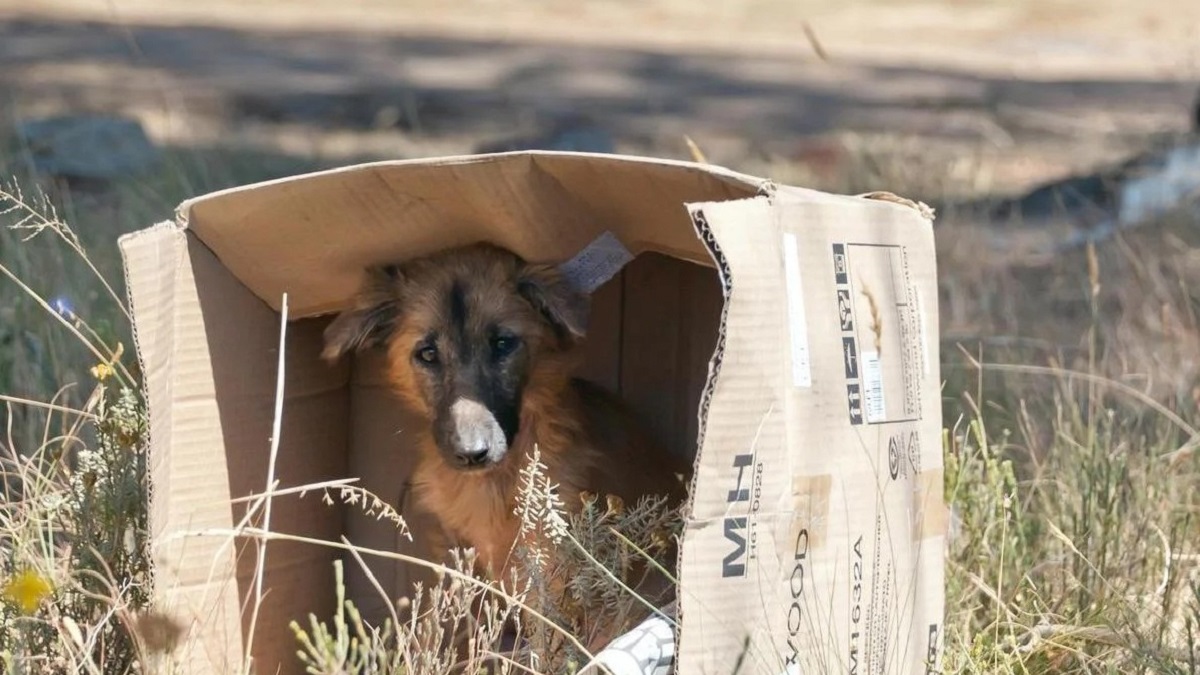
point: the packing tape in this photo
(926, 211)
(598, 262)
(810, 497)
(931, 517)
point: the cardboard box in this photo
(789, 336)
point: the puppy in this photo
(484, 346)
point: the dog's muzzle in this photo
(476, 435)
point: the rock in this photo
(1163, 183)
(1083, 199)
(90, 147)
(1196, 115)
(1137, 191)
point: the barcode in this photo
(872, 371)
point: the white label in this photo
(872, 371)
(797, 321)
(596, 263)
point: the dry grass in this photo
(1070, 464)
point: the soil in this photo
(1034, 90)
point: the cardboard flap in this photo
(312, 235)
(193, 576)
(821, 425)
(210, 392)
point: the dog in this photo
(484, 346)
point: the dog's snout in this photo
(475, 435)
(473, 457)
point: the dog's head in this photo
(466, 331)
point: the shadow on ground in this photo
(493, 89)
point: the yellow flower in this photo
(100, 371)
(27, 590)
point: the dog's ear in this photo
(563, 306)
(372, 318)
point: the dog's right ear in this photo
(372, 318)
(562, 305)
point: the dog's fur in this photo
(484, 346)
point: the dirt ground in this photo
(1036, 89)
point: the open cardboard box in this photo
(785, 337)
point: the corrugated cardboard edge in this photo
(184, 209)
(766, 189)
(163, 239)
(122, 243)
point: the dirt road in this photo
(1047, 87)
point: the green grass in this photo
(1076, 544)
(1074, 490)
(72, 425)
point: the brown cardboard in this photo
(698, 333)
(803, 553)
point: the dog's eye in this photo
(428, 355)
(503, 345)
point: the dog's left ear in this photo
(563, 306)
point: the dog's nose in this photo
(476, 438)
(473, 457)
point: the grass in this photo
(1076, 536)
(1073, 482)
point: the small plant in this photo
(1075, 543)
(73, 513)
(452, 627)
(579, 573)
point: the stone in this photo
(88, 147)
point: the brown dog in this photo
(484, 346)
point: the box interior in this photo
(652, 332)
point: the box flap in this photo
(311, 235)
(818, 487)
(210, 391)
(193, 578)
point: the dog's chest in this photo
(473, 510)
